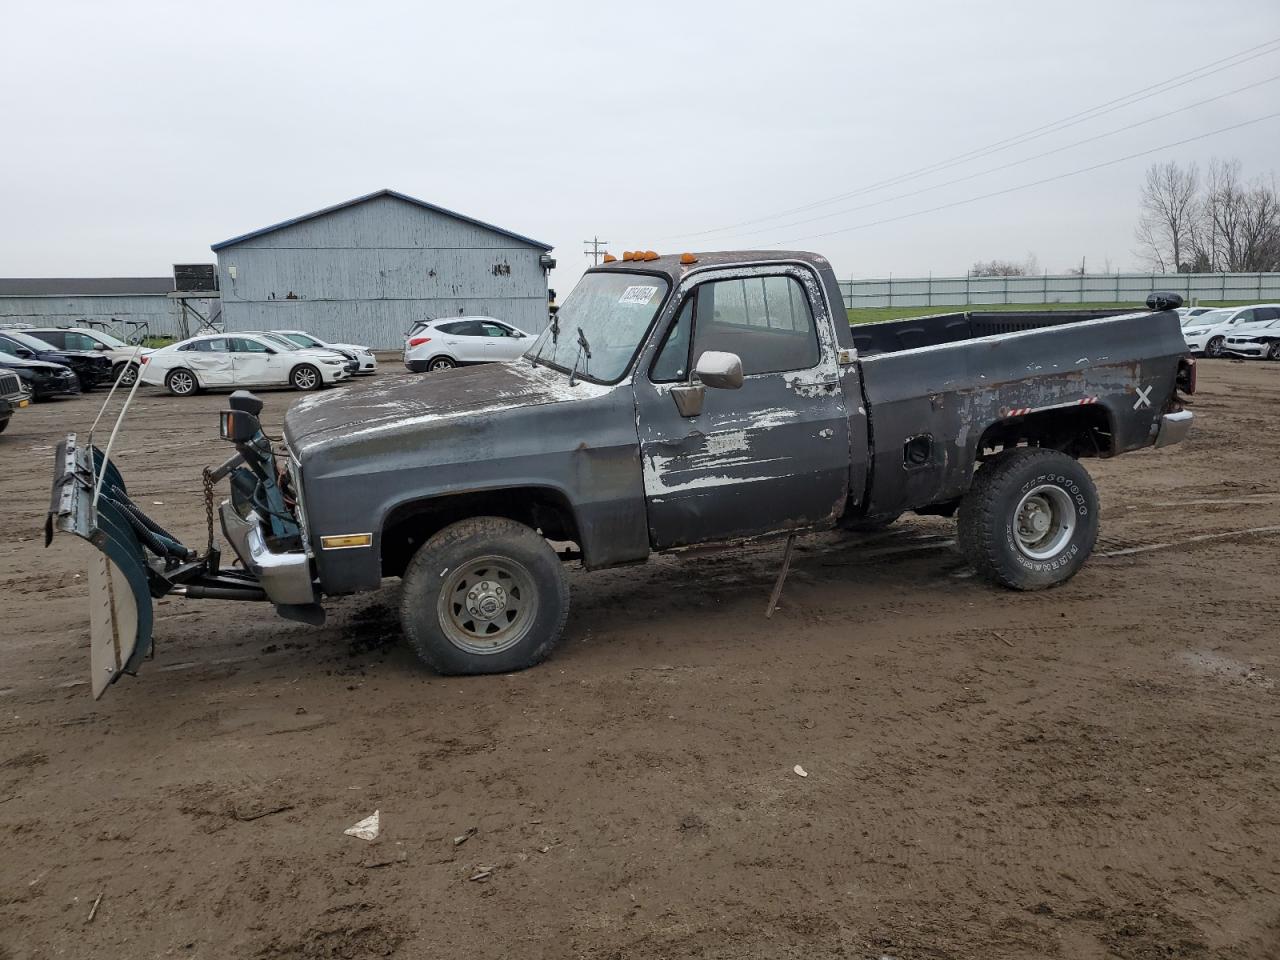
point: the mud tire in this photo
(987, 528)
(423, 611)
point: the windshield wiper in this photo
(555, 339)
(583, 348)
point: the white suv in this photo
(456, 341)
(82, 338)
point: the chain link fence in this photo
(1061, 288)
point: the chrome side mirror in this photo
(718, 369)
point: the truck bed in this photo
(941, 389)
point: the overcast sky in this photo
(136, 134)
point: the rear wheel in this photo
(1214, 347)
(1030, 519)
(440, 363)
(485, 595)
(305, 377)
(181, 382)
(125, 373)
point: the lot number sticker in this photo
(639, 295)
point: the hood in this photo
(404, 404)
(354, 347)
(7, 360)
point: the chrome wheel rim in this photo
(1274, 352)
(440, 364)
(181, 382)
(304, 379)
(1214, 347)
(128, 375)
(487, 605)
(1044, 522)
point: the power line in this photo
(1011, 163)
(1110, 106)
(1033, 183)
(597, 249)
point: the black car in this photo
(43, 379)
(91, 369)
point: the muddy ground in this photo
(1088, 772)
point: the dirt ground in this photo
(1087, 772)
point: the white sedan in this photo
(239, 360)
(1208, 332)
(1256, 340)
(456, 341)
(363, 356)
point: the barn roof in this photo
(84, 286)
(373, 196)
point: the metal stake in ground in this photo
(782, 577)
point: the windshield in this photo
(109, 340)
(28, 341)
(613, 312)
(278, 341)
(1209, 319)
(301, 339)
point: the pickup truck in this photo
(674, 400)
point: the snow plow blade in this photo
(120, 574)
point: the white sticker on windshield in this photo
(639, 295)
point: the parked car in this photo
(13, 396)
(238, 360)
(1190, 312)
(85, 339)
(1256, 340)
(363, 356)
(91, 368)
(459, 341)
(680, 400)
(1208, 332)
(43, 379)
(284, 343)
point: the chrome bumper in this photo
(286, 577)
(1174, 428)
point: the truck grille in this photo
(10, 385)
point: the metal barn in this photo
(363, 271)
(122, 304)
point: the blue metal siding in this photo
(364, 273)
(160, 313)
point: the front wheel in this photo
(181, 383)
(485, 595)
(1214, 347)
(125, 373)
(1273, 351)
(1030, 519)
(305, 377)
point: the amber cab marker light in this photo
(628, 255)
(610, 258)
(650, 255)
(687, 258)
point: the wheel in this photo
(181, 382)
(305, 377)
(1214, 347)
(865, 525)
(485, 595)
(1030, 519)
(4, 425)
(1273, 351)
(440, 363)
(126, 373)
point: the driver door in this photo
(770, 456)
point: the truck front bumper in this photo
(286, 577)
(1174, 428)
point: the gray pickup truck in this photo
(675, 400)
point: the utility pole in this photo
(596, 249)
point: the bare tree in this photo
(1169, 211)
(1029, 267)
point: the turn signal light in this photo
(419, 341)
(687, 258)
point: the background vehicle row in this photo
(241, 359)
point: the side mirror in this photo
(720, 370)
(102, 347)
(271, 350)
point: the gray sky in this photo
(136, 134)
